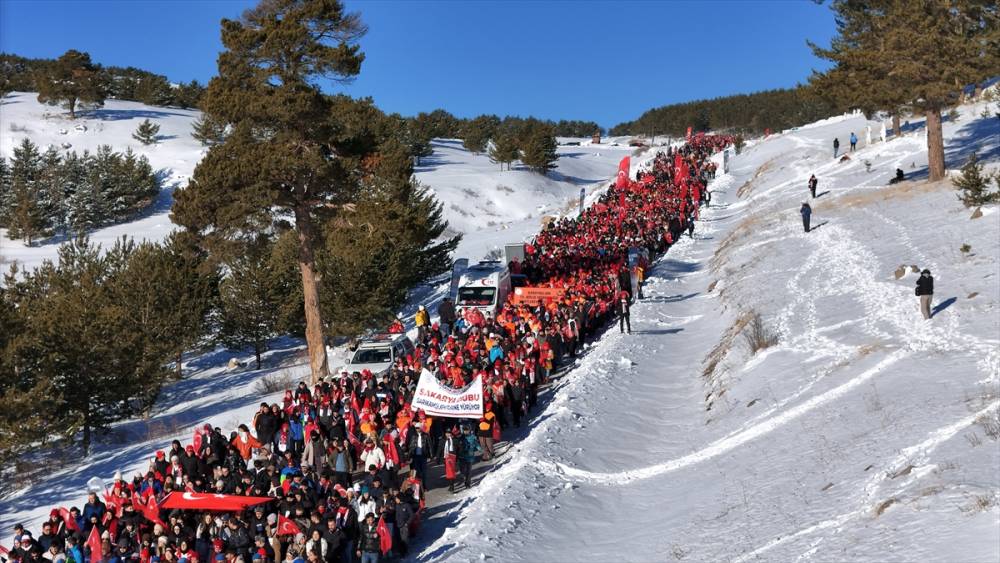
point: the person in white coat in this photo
(372, 455)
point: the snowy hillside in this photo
(175, 156)
(866, 433)
(476, 195)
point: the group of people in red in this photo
(342, 468)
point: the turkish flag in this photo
(148, 508)
(623, 169)
(68, 519)
(384, 536)
(211, 502)
(287, 527)
(94, 543)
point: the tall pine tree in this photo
(279, 160)
(538, 147)
(926, 52)
(71, 80)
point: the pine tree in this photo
(277, 162)
(6, 193)
(974, 185)
(188, 95)
(477, 132)
(71, 79)
(28, 214)
(208, 131)
(83, 343)
(169, 293)
(926, 52)
(504, 150)
(147, 132)
(153, 90)
(250, 300)
(392, 241)
(538, 148)
(28, 417)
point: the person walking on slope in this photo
(806, 212)
(854, 141)
(624, 323)
(836, 147)
(812, 185)
(925, 290)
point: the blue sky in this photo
(601, 61)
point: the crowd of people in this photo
(343, 467)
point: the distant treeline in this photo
(442, 124)
(21, 74)
(751, 113)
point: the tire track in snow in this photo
(912, 455)
(727, 444)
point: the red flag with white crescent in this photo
(68, 519)
(384, 536)
(210, 502)
(94, 543)
(287, 527)
(623, 169)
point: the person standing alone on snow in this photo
(925, 290)
(624, 323)
(836, 147)
(812, 185)
(854, 141)
(806, 212)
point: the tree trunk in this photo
(180, 356)
(935, 145)
(72, 108)
(310, 292)
(256, 349)
(896, 130)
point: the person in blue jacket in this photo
(854, 141)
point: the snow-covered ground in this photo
(865, 433)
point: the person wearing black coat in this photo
(624, 319)
(368, 540)
(265, 423)
(813, 182)
(404, 515)
(925, 291)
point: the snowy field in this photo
(866, 433)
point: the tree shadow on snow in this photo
(979, 136)
(942, 306)
(123, 114)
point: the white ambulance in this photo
(484, 286)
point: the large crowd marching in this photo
(338, 472)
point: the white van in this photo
(484, 286)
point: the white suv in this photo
(377, 353)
